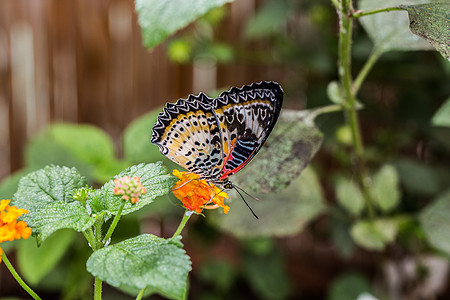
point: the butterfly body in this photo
(215, 138)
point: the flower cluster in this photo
(196, 194)
(10, 228)
(130, 188)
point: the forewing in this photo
(246, 117)
(187, 133)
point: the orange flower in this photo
(197, 194)
(10, 228)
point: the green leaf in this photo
(348, 286)
(85, 147)
(8, 186)
(436, 222)
(442, 116)
(386, 188)
(289, 149)
(349, 196)
(334, 93)
(280, 214)
(269, 19)
(159, 19)
(418, 178)
(390, 30)
(154, 177)
(146, 261)
(47, 194)
(432, 22)
(267, 275)
(35, 263)
(375, 235)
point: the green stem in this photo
(97, 289)
(345, 40)
(141, 294)
(359, 13)
(376, 53)
(18, 278)
(113, 224)
(183, 222)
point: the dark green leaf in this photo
(269, 19)
(145, 261)
(436, 222)
(289, 149)
(418, 178)
(432, 22)
(159, 19)
(390, 30)
(442, 116)
(267, 275)
(280, 214)
(35, 263)
(386, 188)
(154, 178)
(348, 286)
(349, 196)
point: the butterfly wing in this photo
(187, 133)
(246, 117)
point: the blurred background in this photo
(83, 62)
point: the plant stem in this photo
(376, 53)
(141, 294)
(359, 13)
(18, 278)
(345, 40)
(97, 289)
(114, 224)
(183, 222)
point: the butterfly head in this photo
(227, 184)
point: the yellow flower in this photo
(196, 194)
(10, 228)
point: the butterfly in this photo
(217, 137)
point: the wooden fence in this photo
(83, 61)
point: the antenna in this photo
(242, 190)
(246, 201)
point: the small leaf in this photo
(432, 22)
(159, 19)
(145, 261)
(47, 194)
(442, 116)
(375, 235)
(154, 177)
(35, 263)
(334, 92)
(288, 150)
(390, 30)
(386, 188)
(349, 196)
(436, 222)
(280, 214)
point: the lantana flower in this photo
(10, 228)
(196, 194)
(130, 188)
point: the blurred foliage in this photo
(405, 121)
